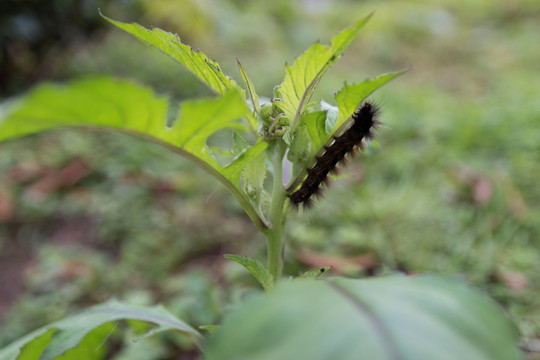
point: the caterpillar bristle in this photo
(364, 124)
(334, 171)
(345, 161)
(308, 204)
(362, 145)
(317, 194)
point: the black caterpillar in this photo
(363, 126)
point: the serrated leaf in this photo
(303, 76)
(57, 338)
(351, 96)
(256, 269)
(105, 103)
(398, 317)
(207, 70)
(200, 65)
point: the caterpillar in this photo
(364, 123)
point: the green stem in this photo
(274, 235)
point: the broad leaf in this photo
(89, 330)
(255, 268)
(303, 76)
(398, 317)
(136, 110)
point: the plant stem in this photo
(274, 235)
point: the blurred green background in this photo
(452, 187)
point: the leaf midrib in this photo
(367, 313)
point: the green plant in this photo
(395, 317)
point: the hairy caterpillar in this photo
(364, 122)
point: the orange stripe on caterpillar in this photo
(364, 123)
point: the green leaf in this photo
(233, 170)
(303, 76)
(255, 268)
(32, 350)
(204, 68)
(239, 144)
(254, 174)
(315, 123)
(92, 347)
(300, 149)
(60, 337)
(397, 317)
(332, 113)
(207, 70)
(351, 96)
(105, 103)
